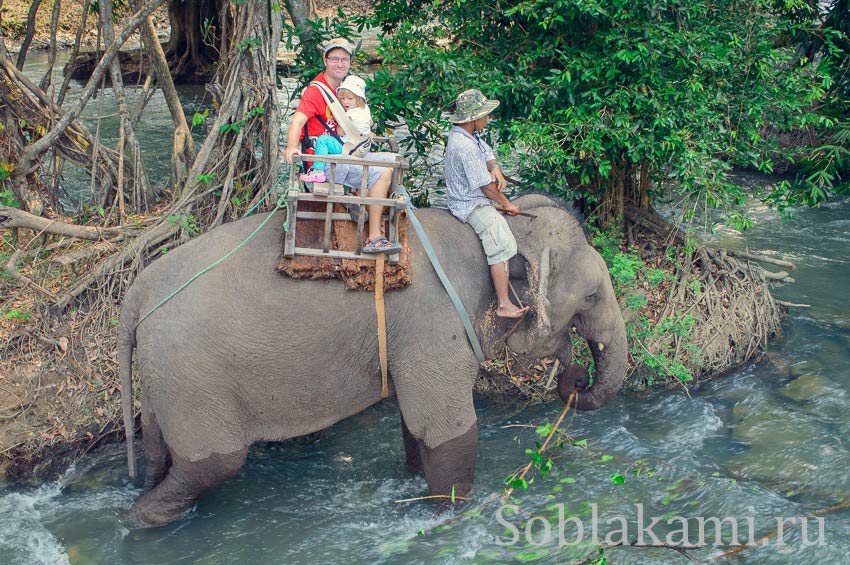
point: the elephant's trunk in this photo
(610, 360)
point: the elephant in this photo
(244, 354)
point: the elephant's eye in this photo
(592, 296)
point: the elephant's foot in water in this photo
(450, 467)
(182, 486)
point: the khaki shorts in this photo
(352, 175)
(496, 237)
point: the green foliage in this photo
(15, 314)
(8, 198)
(624, 268)
(249, 44)
(88, 212)
(627, 270)
(601, 560)
(198, 118)
(823, 169)
(594, 91)
(235, 127)
(187, 223)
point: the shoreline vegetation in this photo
(692, 312)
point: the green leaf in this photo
(617, 479)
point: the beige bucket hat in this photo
(355, 85)
(471, 105)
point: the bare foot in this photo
(511, 311)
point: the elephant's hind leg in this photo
(450, 467)
(182, 486)
(157, 458)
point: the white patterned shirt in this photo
(466, 172)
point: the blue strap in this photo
(450, 290)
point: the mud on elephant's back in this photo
(355, 273)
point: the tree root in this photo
(15, 218)
(734, 313)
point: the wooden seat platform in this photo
(322, 193)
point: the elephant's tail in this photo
(126, 343)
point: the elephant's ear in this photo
(538, 283)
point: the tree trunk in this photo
(196, 31)
(127, 133)
(300, 11)
(25, 44)
(183, 147)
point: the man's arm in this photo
(496, 172)
(293, 136)
(492, 192)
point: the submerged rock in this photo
(776, 440)
(806, 387)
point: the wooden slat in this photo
(329, 212)
(398, 175)
(309, 251)
(324, 189)
(289, 240)
(294, 181)
(348, 160)
(393, 233)
(391, 202)
(337, 216)
(361, 221)
(364, 181)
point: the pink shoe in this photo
(314, 175)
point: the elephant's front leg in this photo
(450, 467)
(412, 449)
(435, 398)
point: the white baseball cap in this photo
(337, 43)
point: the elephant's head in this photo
(567, 283)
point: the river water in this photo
(768, 442)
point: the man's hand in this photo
(289, 152)
(499, 178)
(510, 208)
(293, 136)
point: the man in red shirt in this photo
(311, 111)
(337, 55)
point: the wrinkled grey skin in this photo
(244, 354)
